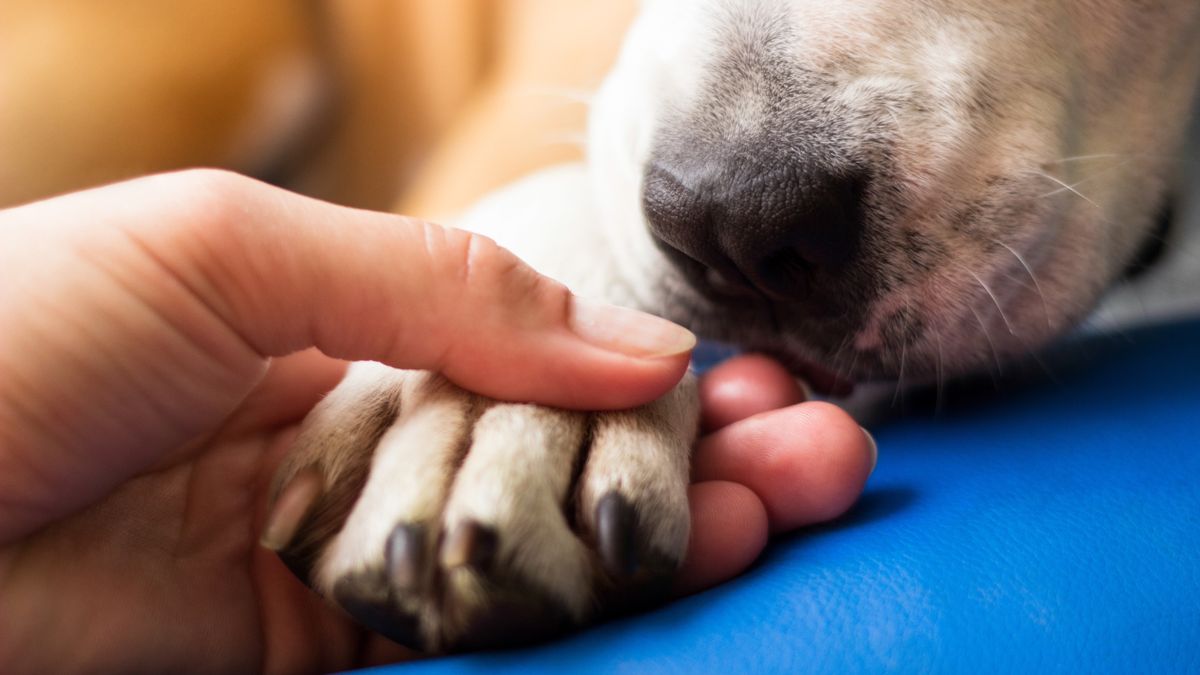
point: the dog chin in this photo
(755, 326)
(821, 351)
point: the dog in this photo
(904, 191)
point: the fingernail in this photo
(628, 331)
(873, 448)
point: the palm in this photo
(173, 554)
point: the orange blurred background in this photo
(418, 105)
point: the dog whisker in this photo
(1067, 187)
(1032, 277)
(853, 362)
(836, 359)
(1099, 173)
(940, 400)
(1045, 368)
(1189, 253)
(903, 357)
(988, 337)
(1179, 159)
(900, 375)
(1084, 158)
(995, 301)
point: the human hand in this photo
(140, 417)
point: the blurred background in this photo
(414, 105)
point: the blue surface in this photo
(1055, 527)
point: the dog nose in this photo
(772, 226)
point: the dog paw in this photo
(447, 521)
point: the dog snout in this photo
(773, 226)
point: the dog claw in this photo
(295, 501)
(405, 556)
(616, 535)
(470, 544)
(367, 599)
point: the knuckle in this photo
(483, 259)
(209, 198)
(205, 185)
(483, 266)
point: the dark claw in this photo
(649, 586)
(366, 597)
(616, 535)
(470, 544)
(405, 556)
(291, 508)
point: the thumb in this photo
(288, 272)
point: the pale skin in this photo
(162, 340)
